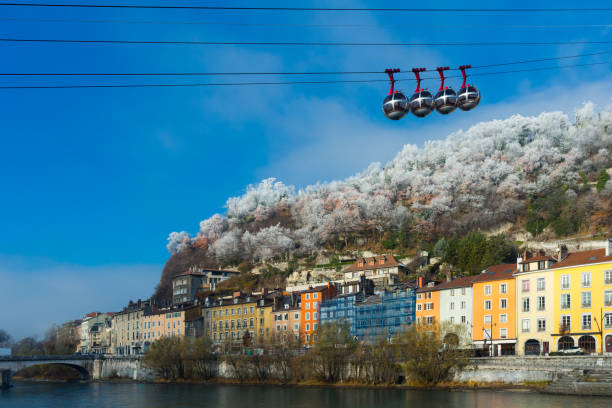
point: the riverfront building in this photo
(535, 295)
(370, 318)
(583, 300)
(310, 301)
(494, 309)
(427, 302)
(456, 310)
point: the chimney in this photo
(420, 282)
(264, 291)
(449, 275)
(519, 260)
(609, 247)
(562, 252)
(236, 294)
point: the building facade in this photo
(427, 302)
(535, 304)
(583, 300)
(494, 310)
(456, 305)
(127, 329)
(383, 270)
(310, 300)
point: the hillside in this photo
(545, 176)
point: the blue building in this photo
(370, 318)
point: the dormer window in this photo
(235, 300)
(286, 306)
(431, 284)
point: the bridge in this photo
(90, 366)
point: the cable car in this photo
(395, 106)
(468, 96)
(446, 99)
(421, 101)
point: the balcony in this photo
(586, 305)
(586, 327)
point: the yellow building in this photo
(583, 300)
(535, 294)
(160, 323)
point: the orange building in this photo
(310, 301)
(494, 310)
(427, 302)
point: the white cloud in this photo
(36, 293)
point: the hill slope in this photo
(539, 172)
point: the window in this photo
(452, 305)
(525, 267)
(418, 296)
(487, 305)
(565, 282)
(296, 316)
(525, 325)
(541, 325)
(307, 306)
(503, 303)
(296, 327)
(487, 334)
(541, 283)
(525, 285)
(487, 290)
(586, 299)
(429, 320)
(608, 320)
(429, 306)
(566, 323)
(307, 326)
(428, 295)
(315, 295)
(463, 319)
(503, 288)
(541, 303)
(565, 301)
(586, 279)
(314, 315)
(503, 333)
(419, 306)
(608, 277)
(525, 304)
(463, 290)
(463, 304)
(608, 298)
(542, 265)
(308, 296)
(487, 319)
(452, 292)
(586, 321)
(307, 338)
(503, 318)
(307, 316)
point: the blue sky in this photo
(94, 180)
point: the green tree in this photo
(165, 358)
(602, 179)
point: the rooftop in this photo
(583, 258)
(496, 272)
(373, 262)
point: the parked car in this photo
(577, 351)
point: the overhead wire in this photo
(298, 43)
(242, 24)
(235, 84)
(326, 9)
(527, 61)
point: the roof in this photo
(460, 282)
(93, 314)
(426, 288)
(202, 272)
(583, 258)
(389, 261)
(496, 272)
(538, 258)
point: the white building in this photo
(456, 307)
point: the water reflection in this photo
(227, 396)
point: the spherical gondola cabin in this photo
(395, 106)
(468, 96)
(445, 100)
(421, 101)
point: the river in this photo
(128, 395)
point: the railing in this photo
(586, 305)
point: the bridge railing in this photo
(51, 357)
